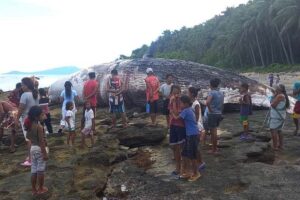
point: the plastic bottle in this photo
(147, 108)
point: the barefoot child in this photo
(177, 130)
(245, 111)
(89, 125)
(190, 148)
(279, 104)
(193, 94)
(35, 133)
(70, 123)
(214, 108)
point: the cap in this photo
(148, 70)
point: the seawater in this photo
(9, 81)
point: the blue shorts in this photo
(177, 135)
(120, 108)
(190, 147)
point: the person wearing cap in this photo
(90, 93)
(152, 93)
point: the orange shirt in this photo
(89, 87)
(152, 82)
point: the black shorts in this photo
(165, 109)
(190, 147)
(153, 106)
(212, 121)
(177, 135)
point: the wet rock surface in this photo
(114, 170)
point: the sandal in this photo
(12, 150)
(43, 191)
(184, 176)
(194, 178)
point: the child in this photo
(245, 111)
(70, 122)
(190, 149)
(196, 107)
(165, 91)
(177, 129)
(214, 108)
(89, 125)
(35, 133)
(279, 104)
(44, 104)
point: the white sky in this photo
(40, 34)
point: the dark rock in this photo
(134, 136)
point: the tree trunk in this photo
(283, 46)
(291, 50)
(253, 55)
(259, 49)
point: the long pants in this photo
(48, 124)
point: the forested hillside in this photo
(260, 33)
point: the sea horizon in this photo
(9, 81)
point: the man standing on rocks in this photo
(114, 87)
(165, 91)
(90, 93)
(152, 94)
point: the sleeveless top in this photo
(153, 82)
(246, 109)
(89, 87)
(196, 103)
(279, 112)
(33, 135)
(115, 84)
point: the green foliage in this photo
(258, 33)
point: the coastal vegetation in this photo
(262, 34)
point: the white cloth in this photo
(200, 123)
(71, 115)
(165, 90)
(89, 116)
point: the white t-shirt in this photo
(71, 114)
(89, 116)
(195, 103)
(28, 100)
(165, 89)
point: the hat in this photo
(149, 70)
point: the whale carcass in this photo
(133, 73)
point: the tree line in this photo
(259, 33)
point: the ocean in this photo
(9, 81)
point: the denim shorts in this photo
(38, 165)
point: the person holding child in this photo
(114, 88)
(296, 114)
(36, 134)
(177, 129)
(214, 109)
(280, 102)
(89, 124)
(67, 95)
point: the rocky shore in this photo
(136, 163)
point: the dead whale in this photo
(133, 73)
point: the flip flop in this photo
(194, 178)
(43, 191)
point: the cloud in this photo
(88, 32)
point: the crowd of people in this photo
(27, 107)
